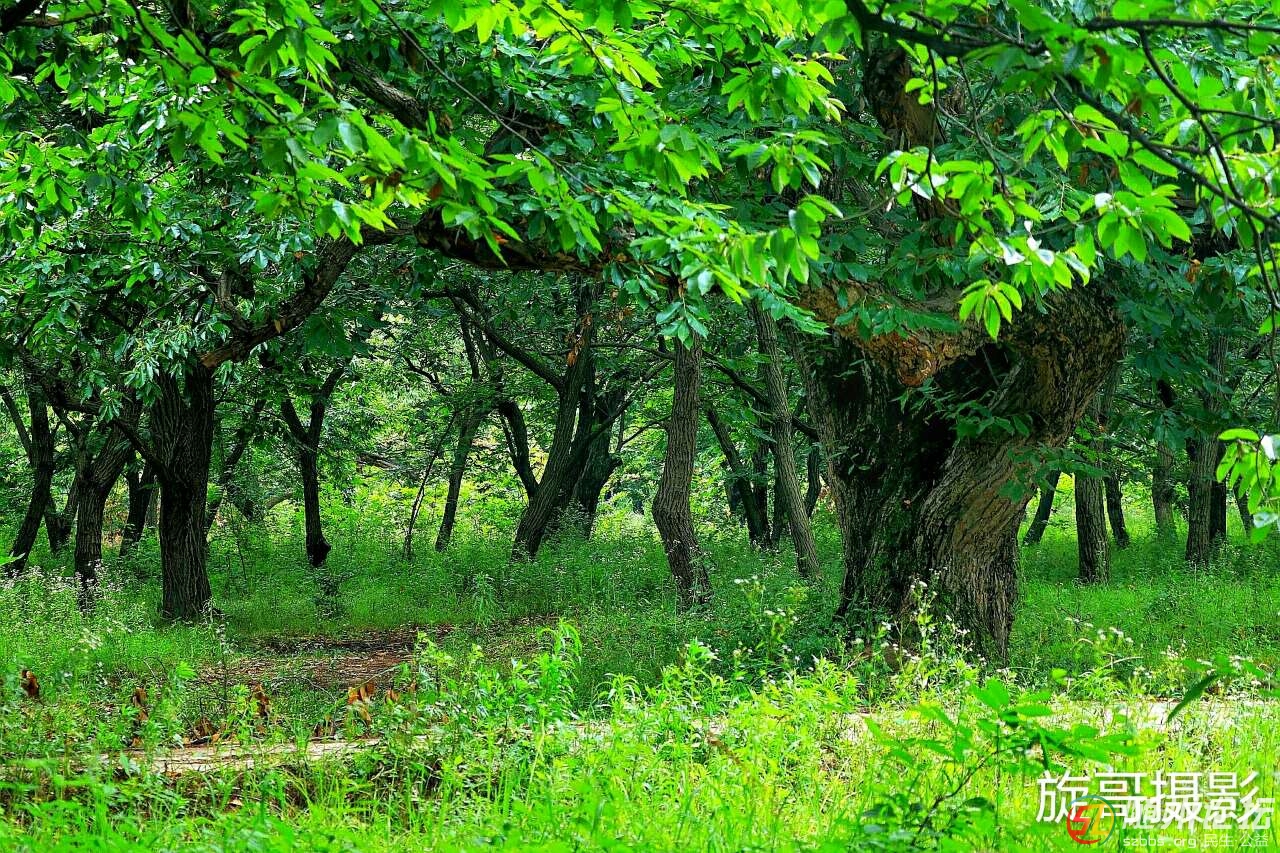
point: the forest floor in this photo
(562, 704)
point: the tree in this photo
(787, 493)
(671, 511)
(607, 144)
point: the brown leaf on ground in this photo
(30, 685)
(138, 699)
(201, 733)
(261, 701)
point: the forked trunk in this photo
(599, 467)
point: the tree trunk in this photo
(1163, 491)
(916, 499)
(182, 427)
(1246, 517)
(671, 511)
(142, 496)
(1044, 509)
(466, 437)
(422, 488)
(41, 460)
(759, 493)
(599, 467)
(1201, 543)
(1101, 445)
(919, 498)
(316, 545)
(1115, 511)
(1218, 498)
(570, 443)
(740, 480)
(813, 471)
(1206, 510)
(98, 475)
(1091, 531)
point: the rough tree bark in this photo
(1111, 482)
(142, 497)
(813, 471)
(671, 511)
(39, 445)
(99, 472)
(917, 500)
(1092, 545)
(1203, 453)
(1163, 488)
(1044, 509)
(182, 427)
(787, 491)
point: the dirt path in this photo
(1148, 715)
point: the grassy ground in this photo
(635, 728)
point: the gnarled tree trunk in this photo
(916, 499)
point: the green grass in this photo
(650, 731)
